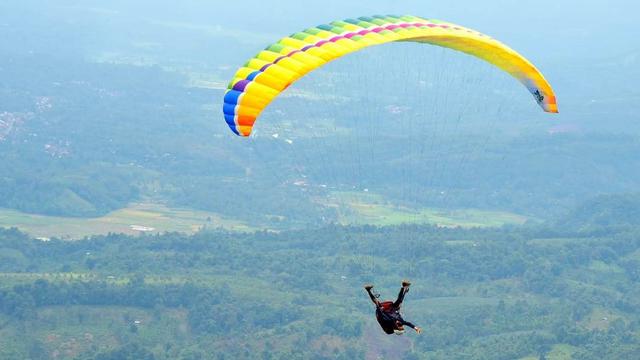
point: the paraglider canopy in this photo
(274, 69)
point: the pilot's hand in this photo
(418, 330)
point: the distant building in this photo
(141, 228)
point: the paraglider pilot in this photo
(388, 312)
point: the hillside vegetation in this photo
(501, 293)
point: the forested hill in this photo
(605, 211)
(510, 293)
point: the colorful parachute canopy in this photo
(272, 70)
